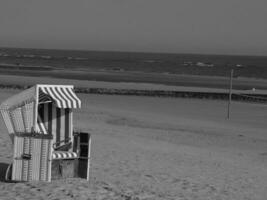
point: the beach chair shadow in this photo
(3, 170)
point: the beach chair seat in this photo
(57, 155)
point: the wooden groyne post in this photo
(230, 93)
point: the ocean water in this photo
(190, 64)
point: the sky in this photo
(174, 26)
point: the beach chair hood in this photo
(20, 112)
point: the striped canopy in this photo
(63, 96)
(33, 108)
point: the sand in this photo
(160, 148)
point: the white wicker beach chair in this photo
(40, 123)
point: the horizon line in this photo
(135, 52)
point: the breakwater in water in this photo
(247, 97)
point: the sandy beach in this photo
(160, 148)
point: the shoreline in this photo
(240, 83)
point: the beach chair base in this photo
(75, 167)
(63, 169)
(31, 161)
(34, 161)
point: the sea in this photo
(187, 64)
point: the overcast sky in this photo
(182, 26)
